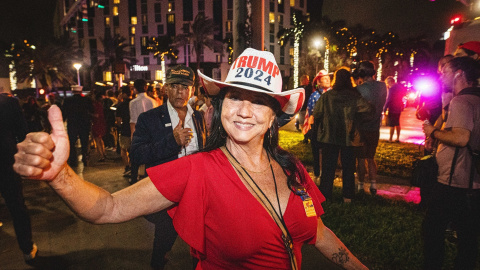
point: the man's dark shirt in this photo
(124, 113)
(13, 129)
(77, 111)
(308, 91)
(108, 113)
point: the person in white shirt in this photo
(142, 103)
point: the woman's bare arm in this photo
(43, 156)
(333, 249)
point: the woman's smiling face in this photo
(246, 115)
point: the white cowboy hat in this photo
(257, 71)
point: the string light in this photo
(412, 60)
(298, 31)
(380, 65)
(396, 71)
(327, 52)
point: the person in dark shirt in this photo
(77, 111)
(123, 120)
(31, 112)
(305, 84)
(13, 130)
(394, 106)
(109, 101)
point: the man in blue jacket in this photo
(166, 133)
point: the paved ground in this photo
(66, 242)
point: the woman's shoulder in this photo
(208, 157)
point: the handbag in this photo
(425, 171)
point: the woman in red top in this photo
(237, 202)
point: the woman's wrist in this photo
(432, 135)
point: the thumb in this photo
(56, 121)
(180, 125)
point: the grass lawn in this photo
(382, 233)
(393, 159)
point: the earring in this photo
(271, 135)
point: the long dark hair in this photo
(342, 80)
(218, 137)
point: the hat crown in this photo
(472, 46)
(256, 69)
(180, 74)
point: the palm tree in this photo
(295, 32)
(161, 47)
(115, 51)
(49, 64)
(201, 36)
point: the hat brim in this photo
(179, 81)
(291, 101)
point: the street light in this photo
(78, 66)
(316, 44)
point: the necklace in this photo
(279, 215)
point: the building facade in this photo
(93, 22)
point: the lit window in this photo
(271, 17)
(132, 41)
(291, 52)
(107, 21)
(115, 11)
(171, 6)
(133, 20)
(292, 3)
(132, 30)
(116, 1)
(107, 76)
(171, 18)
(158, 75)
(228, 26)
(280, 2)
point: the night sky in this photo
(32, 19)
(26, 19)
(407, 18)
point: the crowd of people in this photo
(101, 121)
(220, 147)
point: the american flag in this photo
(310, 105)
